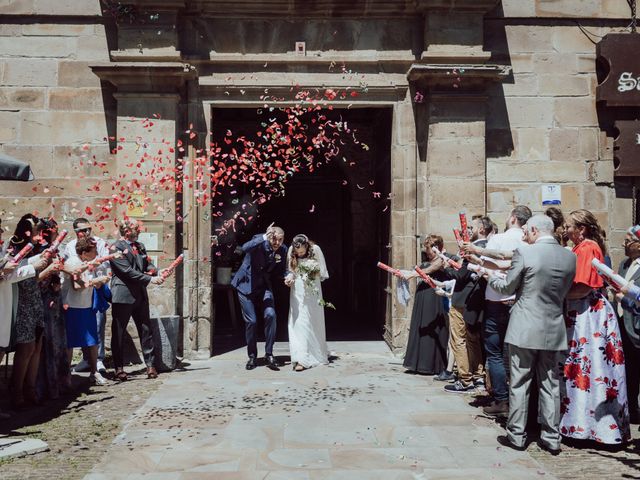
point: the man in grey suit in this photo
(541, 274)
(630, 320)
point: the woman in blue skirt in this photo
(80, 318)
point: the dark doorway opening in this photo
(344, 207)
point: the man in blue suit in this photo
(265, 261)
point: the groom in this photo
(265, 260)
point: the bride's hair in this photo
(300, 240)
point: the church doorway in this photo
(344, 207)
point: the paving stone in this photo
(12, 447)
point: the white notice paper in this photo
(551, 195)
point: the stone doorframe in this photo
(215, 94)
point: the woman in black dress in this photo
(428, 333)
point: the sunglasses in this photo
(83, 230)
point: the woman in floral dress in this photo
(307, 336)
(594, 392)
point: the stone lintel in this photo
(329, 8)
(457, 77)
(482, 6)
(146, 77)
(175, 97)
(388, 94)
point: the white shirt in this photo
(72, 298)
(101, 247)
(507, 241)
(24, 271)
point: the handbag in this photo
(101, 298)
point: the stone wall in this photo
(57, 115)
(542, 126)
(480, 150)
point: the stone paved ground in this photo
(78, 427)
(359, 418)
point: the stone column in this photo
(136, 138)
(454, 174)
(403, 215)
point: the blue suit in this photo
(260, 267)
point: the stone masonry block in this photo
(402, 161)
(452, 193)
(601, 172)
(621, 212)
(57, 29)
(614, 9)
(564, 143)
(9, 126)
(575, 111)
(446, 129)
(24, 7)
(518, 8)
(568, 8)
(77, 99)
(588, 143)
(529, 38)
(39, 157)
(530, 111)
(570, 39)
(525, 84)
(131, 129)
(502, 197)
(532, 144)
(462, 158)
(512, 172)
(62, 128)
(595, 197)
(38, 47)
(554, 63)
(586, 62)
(30, 73)
(404, 127)
(22, 98)
(563, 85)
(76, 74)
(67, 7)
(92, 48)
(522, 63)
(569, 171)
(399, 196)
(572, 197)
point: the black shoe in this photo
(251, 364)
(459, 387)
(272, 362)
(445, 376)
(505, 442)
(552, 451)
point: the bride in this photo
(307, 338)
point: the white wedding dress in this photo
(307, 337)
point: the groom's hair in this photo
(278, 231)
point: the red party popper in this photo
(459, 239)
(389, 269)
(169, 270)
(464, 227)
(426, 278)
(55, 246)
(23, 253)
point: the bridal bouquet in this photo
(309, 270)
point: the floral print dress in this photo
(594, 391)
